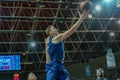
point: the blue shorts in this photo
(56, 71)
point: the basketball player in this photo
(55, 55)
(32, 76)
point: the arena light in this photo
(90, 16)
(33, 44)
(98, 7)
(111, 18)
(112, 34)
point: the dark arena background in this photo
(22, 34)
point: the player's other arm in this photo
(46, 52)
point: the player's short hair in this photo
(48, 29)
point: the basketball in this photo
(86, 5)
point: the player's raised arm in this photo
(70, 31)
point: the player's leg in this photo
(51, 75)
(64, 75)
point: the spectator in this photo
(100, 74)
(32, 76)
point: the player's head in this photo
(100, 72)
(51, 30)
(31, 76)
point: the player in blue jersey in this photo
(55, 55)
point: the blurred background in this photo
(22, 34)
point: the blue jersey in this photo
(55, 68)
(55, 50)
